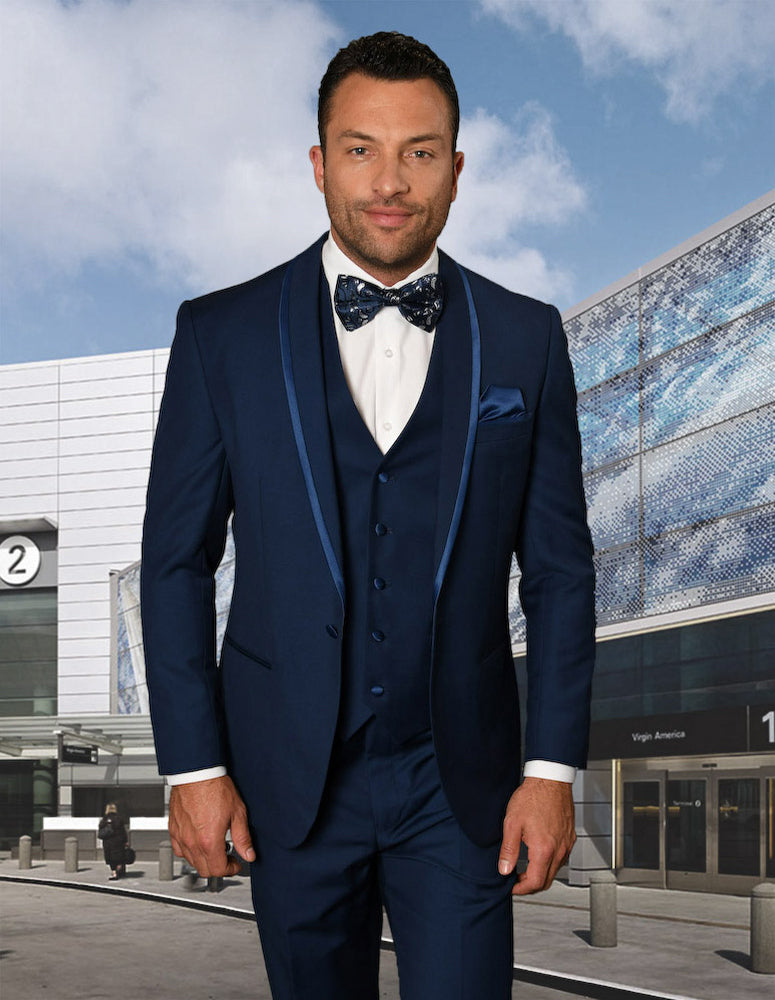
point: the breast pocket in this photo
(507, 429)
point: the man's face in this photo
(389, 174)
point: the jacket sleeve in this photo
(188, 504)
(554, 551)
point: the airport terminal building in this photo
(675, 370)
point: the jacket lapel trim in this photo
(473, 417)
(298, 431)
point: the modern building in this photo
(675, 368)
(675, 371)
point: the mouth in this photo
(388, 218)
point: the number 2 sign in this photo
(19, 560)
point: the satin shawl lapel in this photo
(300, 325)
(461, 368)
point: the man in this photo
(383, 454)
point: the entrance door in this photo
(688, 853)
(707, 830)
(641, 842)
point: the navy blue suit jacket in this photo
(243, 428)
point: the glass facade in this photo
(28, 652)
(28, 793)
(691, 668)
(676, 381)
(132, 687)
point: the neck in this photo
(386, 274)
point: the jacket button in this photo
(332, 630)
(379, 583)
(383, 477)
(377, 690)
(378, 635)
(380, 528)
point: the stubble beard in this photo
(397, 253)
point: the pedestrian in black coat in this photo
(112, 833)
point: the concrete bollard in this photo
(602, 909)
(763, 928)
(165, 861)
(25, 852)
(71, 854)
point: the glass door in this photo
(686, 831)
(711, 830)
(641, 844)
(769, 820)
(738, 823)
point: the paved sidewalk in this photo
(670, 943)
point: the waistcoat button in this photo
(383, 477)
(332, 630)
(379, 583)
(380, 528)
(377, 690)
(378, 635)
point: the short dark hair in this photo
(387, 55)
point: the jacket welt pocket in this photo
(246, 652)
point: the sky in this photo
(153, 150)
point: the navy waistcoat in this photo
(387, 508)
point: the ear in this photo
(457, 166)
(316, 157)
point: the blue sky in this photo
(155, 149)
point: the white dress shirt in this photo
(385, 364)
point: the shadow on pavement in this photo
(738, 957)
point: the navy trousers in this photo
(385, 835)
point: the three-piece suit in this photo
(370, 590)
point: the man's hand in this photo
(540, 813)
(200, 814)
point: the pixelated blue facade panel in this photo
(718, 282)
(717, 376)
(224, 585)
(517, 624)
(603, 341)
(725, 469)
(132, 696)
(718, 561)
(612, 504)
(608, 421)
(618, 586)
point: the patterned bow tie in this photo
(358, 301)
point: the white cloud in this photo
(516, 174)
(175, 132)
(698, 50)
(172, 137)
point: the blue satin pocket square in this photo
(501, 402)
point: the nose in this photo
(390, 177)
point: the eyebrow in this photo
(427, 137)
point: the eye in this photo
(420, 154)
(358, 150)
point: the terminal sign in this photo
(77, 754)
(19, 560)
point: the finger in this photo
(176, 848)
(240, 835)
(214, 860)
(509, 849)
(554, 867)
(534, 879)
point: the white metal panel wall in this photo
(75, 446)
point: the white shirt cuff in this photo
(186, 777)
(549, 769)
